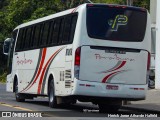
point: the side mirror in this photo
(6, 46)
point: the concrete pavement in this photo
(150, 105)
(152, 102)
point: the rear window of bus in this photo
(116, 23)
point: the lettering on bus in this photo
(23, 61)
(115, 57)
(118, 21)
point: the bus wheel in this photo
(51, 95)
(105, 108)
(19, 97)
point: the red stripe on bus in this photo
(44, 70)
(112, 75)
(108, 76)
(120, 66)
(40, 68)
(75, 9)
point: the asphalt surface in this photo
(79, 111)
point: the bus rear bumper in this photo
(119, 91)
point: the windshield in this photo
(116, 23)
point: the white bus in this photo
(95, 53)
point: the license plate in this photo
(112, 87)
(115, 51)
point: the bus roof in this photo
(45, 18)
(68, 12)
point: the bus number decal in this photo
(69, 52)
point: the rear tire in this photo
(51, 95)
(18, 96)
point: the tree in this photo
(142, 3)
(15, 12)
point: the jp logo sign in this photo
(119, 20)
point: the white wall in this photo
(157, 61)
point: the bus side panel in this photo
(52, 63)
(26, 66)
(33, 70)
(56, 67)
(9, 84)
(59, 69)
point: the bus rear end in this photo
(113, 56)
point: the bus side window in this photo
(27, 37)
(19, 40)
(73, 27)
(36, 35)
(61, 31)
(32, 37)
(51, 27)
(40, 35)
(67, 28)
(44, 34)
(55, 32)
(22, 39)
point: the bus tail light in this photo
(149, 61)
(77, 62)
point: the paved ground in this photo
(152, 101)
(149, 106)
